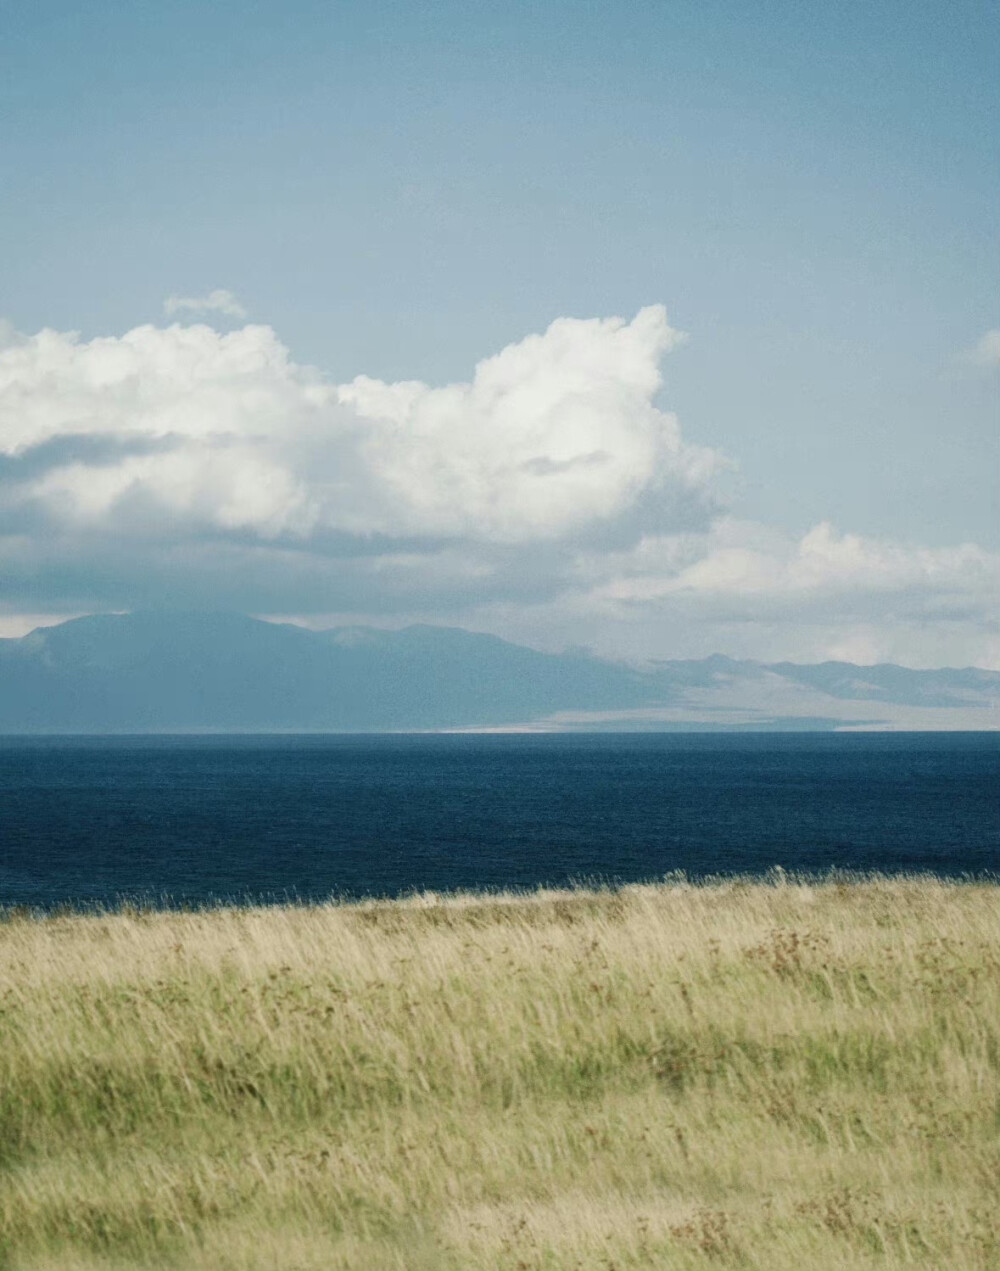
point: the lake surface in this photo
(198, 820)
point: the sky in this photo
(656, 328)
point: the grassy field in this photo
(781, 1077)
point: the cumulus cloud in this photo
(552, 436)
(548, 497)
(200, 466)
(742, 566)
(218, 301)
(754, 591)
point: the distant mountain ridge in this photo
(224, 672)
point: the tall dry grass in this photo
(735, 1075)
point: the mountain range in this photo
(155, 672)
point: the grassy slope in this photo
(739, 1075)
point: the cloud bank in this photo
(548, 495)
(771, 595)
(183, 425)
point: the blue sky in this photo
(402, 190)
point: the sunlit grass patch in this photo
(785, 1075)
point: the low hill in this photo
(183, 672)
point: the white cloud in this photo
(552, 436)
(548, 498)
(742, 565)
(752, 591)
(986, 351)
(218, 301)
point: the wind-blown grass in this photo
(734, 1075)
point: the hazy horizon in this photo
(13, 632)
(162, 672)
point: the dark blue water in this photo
(198, 820)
